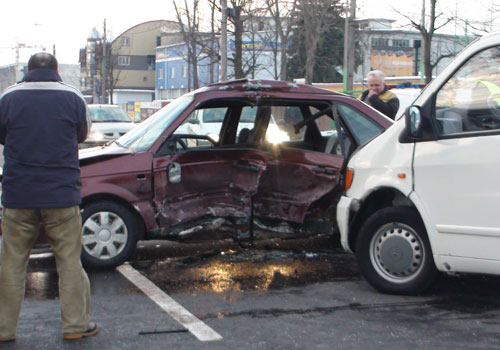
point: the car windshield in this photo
(142, 137)
(108, 114)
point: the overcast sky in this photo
(67, 23)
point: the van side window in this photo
(470, 100)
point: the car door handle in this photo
(249, 167)
(324, 171)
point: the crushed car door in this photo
(300, 170)
(198, 178)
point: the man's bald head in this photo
(42, 60)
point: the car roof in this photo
(242, 85)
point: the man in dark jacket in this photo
(378, 96)
(42, 120)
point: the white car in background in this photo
(406, 97)
(109, 122)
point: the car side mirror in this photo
(413, 119)
(174, 173)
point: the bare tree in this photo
(244, 11)
(268, 40)
(283, 13)
(112, 68)
(190, 33)
(427, 26)
(314, 14)
(213, 49)
(113, 74)
(236, 19)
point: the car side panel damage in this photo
(211, 185)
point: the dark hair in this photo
(42, 60)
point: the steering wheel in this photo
(182, 143)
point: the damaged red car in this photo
(222, 162)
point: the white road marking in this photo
(199, 329)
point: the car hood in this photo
(113, 160)
(112, 127)
(94, 154)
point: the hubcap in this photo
(104, 235)
(397, 252)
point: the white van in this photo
(425, 196)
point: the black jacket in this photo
(42, 120)
(386, 102)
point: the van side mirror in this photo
(413, 119)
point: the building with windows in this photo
(261, 57)
(129, 68)
(173, 73)
(398, 52)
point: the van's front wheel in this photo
(394, 253)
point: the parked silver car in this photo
(109, 122)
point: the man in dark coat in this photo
(42, 120)
(378, 96)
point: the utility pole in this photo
(349, 47)
(223, 44)
(103, 70)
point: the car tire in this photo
(109, 235)
(394, 253)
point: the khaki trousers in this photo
(20, 231)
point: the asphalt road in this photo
(302, 294)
